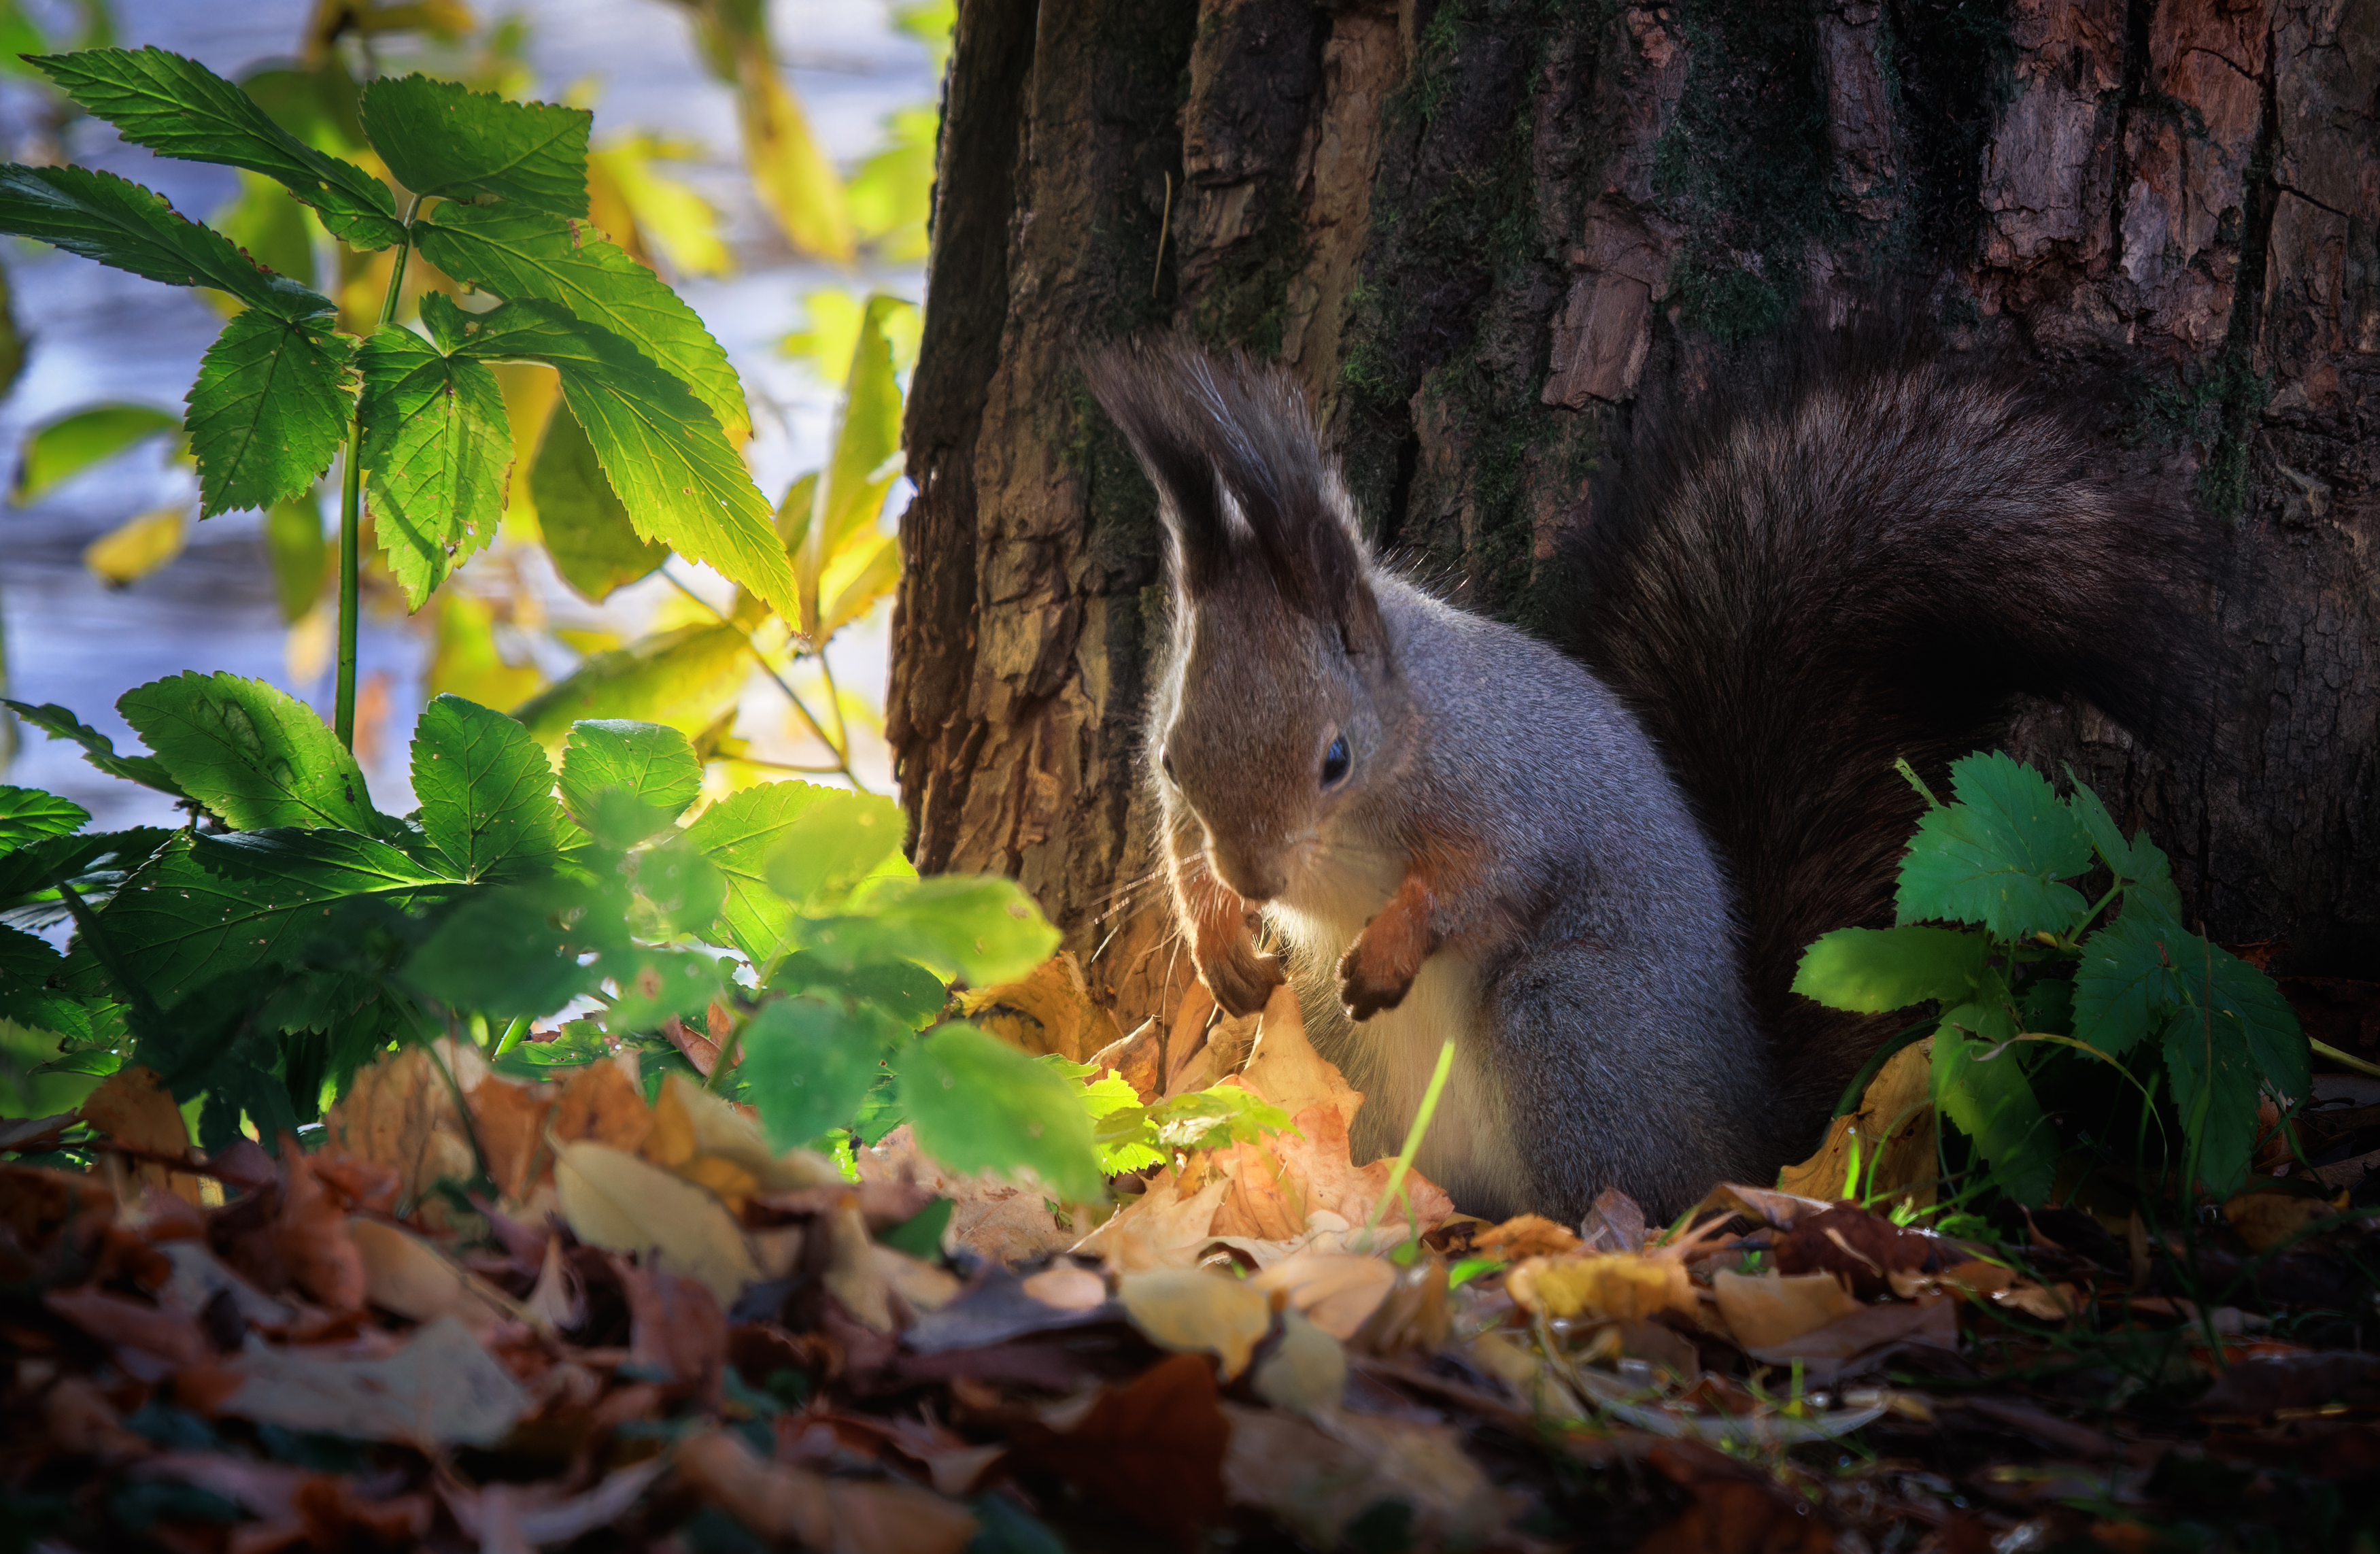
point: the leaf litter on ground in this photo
(484, 1311)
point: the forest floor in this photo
(636, 1328)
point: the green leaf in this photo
(59, 450)
(903, 989)
(269, 410)
(977, 1105)
(442, 137)
(94, 863)
(27, 965)
(656, 984)
(209, 906)
(180, 108)
(626, 780)
(860, 469)
(97, 748)
(294, 545)
(118, 222)
(838, 841)
(2252, 1004)
(522, 255)
(594, 546)
(1981, 1088)
(437, 448)
(2126, 982)
(486, 791)
(504, 953)
(26, 815)
(684, 678)
(660, 449)
(267, 223)
(254, 755)
(739, 834)
(2140, 863)
(1871, 970)
(984, 929)
(2215, 1088)
(678, 884)
(810, 1064)
(1995, 858)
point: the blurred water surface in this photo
(98, 335)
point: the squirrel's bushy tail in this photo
(1857, 549)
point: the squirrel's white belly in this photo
(1391, 1056)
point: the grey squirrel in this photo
(1596, 862)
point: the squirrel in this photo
(1595, 861)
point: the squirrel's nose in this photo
(1255, 881)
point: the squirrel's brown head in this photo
(1275, 713)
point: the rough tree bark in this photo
(1479, 231)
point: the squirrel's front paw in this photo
(1241, 980)
(1375, 975)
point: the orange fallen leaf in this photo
(132, 1108)
(313, 1236)
(602, 1105)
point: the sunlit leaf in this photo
(1980, 1085)
(832, 845)
(466, 660)
(866, 434)
(809, 1062)
(268, 410)
(892, 192)
(626, 781)
(979, 1105)
(486, 791)
(1871, 970)
(59, 450)
(97, 748)
(660, 449)
(136, 547)
(683, 678)
(667, 214)
(521, 254)
(442, 137)
(251, 753)
(29, 814)
(595, 548)
(658, 984)
(793, 178)
(271, 226)
(739, 834)
(118, 222)
(180, 108)
(436, 450)
(984, 929)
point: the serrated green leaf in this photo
(299, 558)
(739, 834)
(442, 137)
(594, 546)
(979, 1105)
(1980, 1085)
(268, 410)
(1996, 855)
(524, 255)
(810, 1064)
(660, 449)
(2126, 983)
(118, 222)
(684, 678)
(486, 791)
(210, 907)
(437, 449)
(97, 748)
(505, 952)
(2253, 1005)
(254, 755)
(626, 780)
(838, 841)
(1871, 970)
(984, 929)
(56, 451)
(26, 965)
(180, 108)
(2215, 1090)
(903, 989)
(26, 815)
(94, 865)
(2140, 862)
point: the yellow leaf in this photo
(409, 1277)
(465, 659)
(859, 465)
(1611, 1286)
(854, 582)
(830, 330)
(793, 176)
(1336, 1291)
(685, 678)
(1190, 1311)
(616, 1201)
(892, 192)
(131, 550)
(1055, 1002)
(531, 390)
(661, 211)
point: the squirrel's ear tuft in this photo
(1239, 468)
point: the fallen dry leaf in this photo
(1525, 1235)
(1306, 1371)
(1319, 1475)
(2267, 1219)
(1892, 1133)
(1770, 1310)
(618, 1202)
(1829, 1351)
(1288, 1071)
(173, 1335)
(1337, 1292)
(1049, 1009)
(510, 1120)
(1151, 1451)
(678, 1332)
(1195, 1312)
(401, 1113)
(600, 1104)
(1601, 1286)
(842, 1516)
(440, 1389)
(131, 1108)
(312, 1237)
(405, 1275)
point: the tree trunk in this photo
(1479, 230)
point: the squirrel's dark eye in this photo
(1335, 761)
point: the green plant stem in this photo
(1414, 1135)
(514, 1035)
(729, 1052)
(351, 510)
(2334, 1055)
(834, 705)
(841, 753)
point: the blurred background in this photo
(771, 159)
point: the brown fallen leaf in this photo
(1892, 1133)
(600, 1104)
(1864, 1249)
(2267, 1219)
(1151, 1451)
(1767, 1311)
(440, 1389)
(171, 1334)
(1602, 1286)
(1525, 1235)
(1337, 1292)
(510, 1119)
(1166, 1226)
(131, 1107)
(537, 1521)
(1829, 1351)
(678, 1333)
(1731, 1508)
(406, 1275)
(1136, 1058)
(1317, 1476)
(1614, 1222)
(401, 1113)
(622, 1204)
(312, 1237)
(777, 1500)
(1288, 1071)
(1306, 1371)
(1195, 1312)
(28, 1133)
